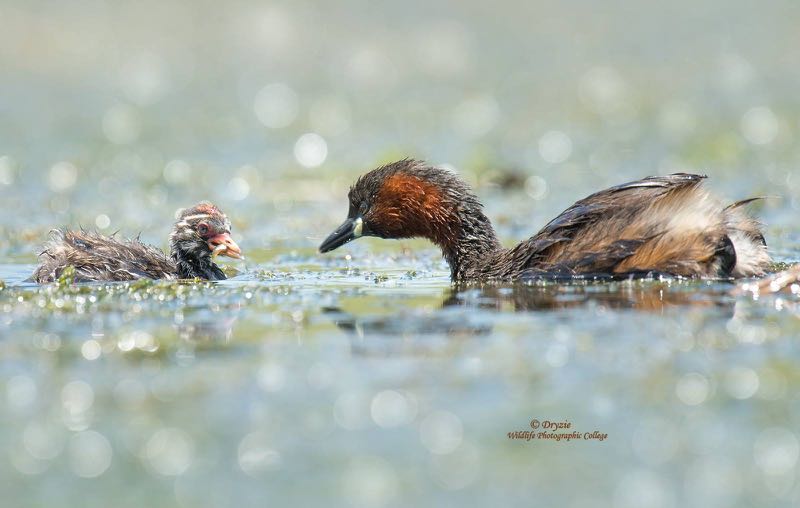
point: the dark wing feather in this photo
(606, 259)
(600, 202)
(628, 198)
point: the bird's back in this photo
(100, 258)
(666, 224)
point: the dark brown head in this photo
(200, 234)
(411, 199)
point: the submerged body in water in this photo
(669, 225)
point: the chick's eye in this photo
(202, 229)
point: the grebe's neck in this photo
(411, 199)
(195, 263)
(468, 242)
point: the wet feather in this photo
(660, 224)
(97, 257)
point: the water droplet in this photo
(776, 451)
(392, 409)
(256, 454)
(536, 187)
(7, 171)
(741, 382)
(102, 221)
(238, 188)
(20, 392)
(351, 411)
(555, 147)
(603, 90)
(144, 78)
(90, 454)
(121, 124)
(476, 116)
(62, 176)
(310, 150)
(370, 482)
(441, 432)
(692, 389)
(169, 452)
(177, 172)
(77, 397)
(557, 355)
(760, 126)
(43, 440)
(91, 349)
(330, 116)
(272, 377)
(276, 105)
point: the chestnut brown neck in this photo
(445, 212)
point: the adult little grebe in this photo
(668, 224)
(199, 235)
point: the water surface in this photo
(363, 377)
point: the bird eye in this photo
(202, 229)
(362, 209)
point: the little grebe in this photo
(668, 225)
(199, 235)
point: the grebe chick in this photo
(200, 234)
(667, 225)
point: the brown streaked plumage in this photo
(667, 224)
(199, 234)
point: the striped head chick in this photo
(201, 233)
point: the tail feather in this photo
(743, 202)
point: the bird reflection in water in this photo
(431, 332)
(407, 333)
(208, 328)
(544, 295)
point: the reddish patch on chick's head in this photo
(204, 207)
(205, 223)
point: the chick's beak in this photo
(222, 244)
(348, 231)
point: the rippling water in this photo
(363, 377)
